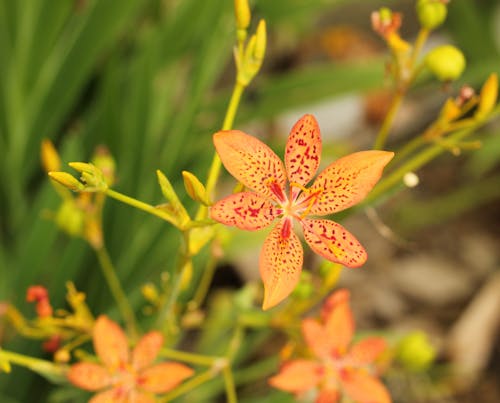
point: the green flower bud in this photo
(415, 352)
(446, 62)
(431, 13)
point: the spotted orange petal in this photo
(117, 395)
(333, 242)
(328, 396)
(246, 210)
(163, 377)
(251, 162)
(367, 350)
(110, 343)
(147, 349)
(348, 180)
(336, 298)
(303, 150)
(280, 264)
(364, 388)
(89, 376)
(297, 376)
(317, 338)
(339, 325)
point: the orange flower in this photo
(341, 185)
(125, 377)
(339, 367)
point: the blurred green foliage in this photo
(150, 80)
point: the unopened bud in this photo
(70, 218)
(250, 61)
(446, 62)
(150, 292)
(242, 14)
(488, 97)
(194, 188)
(105, 162)
(92, 176)
(67, 180)
(431, 13)
(50, 157)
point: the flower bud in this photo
(488, 96)
(242, 14)
(104, 161)
(431, 13)
(50, 157)
(195, 189)
(67, 180)
(250, 61)
(446, 62)
(70, 218)
(415, 352)
(92, 176)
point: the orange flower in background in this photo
(341, 185)
(125, 376)
(338, 367)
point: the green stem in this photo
(166, 308)
(193, 383)
(42, 367)
(191, 358)
(148, 208)
(389, 120)
(229, 384)
(206, 280)
(109, 272)
(422, 36)
(213, 173)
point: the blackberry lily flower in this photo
(342, 184)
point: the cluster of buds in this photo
(248, 55)
(465, 110)
(40, 295)
(80, 215)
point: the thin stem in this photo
(213, 173)
(193, 383)
(389, 120)
(229, 384)
(166, 308)
(43, 367)
(422, 36)
(204, 284)
(109, 272)
(191, 358)
(148, 208)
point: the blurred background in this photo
(150, 80)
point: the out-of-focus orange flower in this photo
(40, 295)
(124, 376)
(342, 184)
(339, 367)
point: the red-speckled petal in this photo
(364, 388)
(251, 162)
(297, 376)
(163, 377)
(367, 350)
(110, 343)
(303, 150)
(146, 350)
(317, 338)
(347, 181)
(246, 210)
(280, 264)
(89, 376)
(334, 242)
(339, 325)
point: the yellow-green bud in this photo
(446, 62)
(176, 207)
(104, 161)
(67, 180)
(195, 189)
(431, 13)
(488, 97)
(92, 176)
(50, 157)
(242, 14)
(415, 352)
